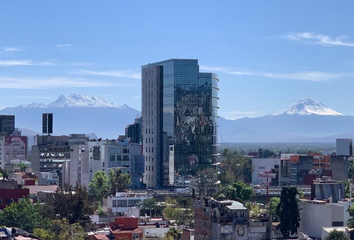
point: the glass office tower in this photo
(179, 111)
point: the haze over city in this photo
(267, 54)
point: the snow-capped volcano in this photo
(308, 106)
(76, 100)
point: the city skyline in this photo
(267, 55)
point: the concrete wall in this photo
(260, 165)
(315, 216)
(154, 232)
(339, 167)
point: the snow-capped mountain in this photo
(76, 113)
(304, 121)
(76, 100)
(307, 106)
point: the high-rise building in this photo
(133, 131)
(179, 127)
(7, 124)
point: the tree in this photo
(235, 167)
(206, 182)
(350, 222)
(150, 205)
(4, 174)
(22, 166)
(73, 204)
(23, 215)
(336, 235)
(99, 185)
(43, 234)
(238, 191)
(183, 215)
(288, 211)
(118, 181)
(272, 208)
(350, 170)
(172, 234)
(61, 230)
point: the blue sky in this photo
(268, 54)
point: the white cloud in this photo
(314, 76)
(320, 39)
(54, 82)
(120, 74)
(11, 63)
(8, 63)
(63, 45)
(11, 49)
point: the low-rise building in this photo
(316, 214)
(123, 202)
(227, 219)
(187, 234)
(126, 228)
(261, 165)
(11, 192)
(154, 231)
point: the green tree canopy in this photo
(4, 174)
(235, 167)
(150, 206)
(288, 211)
(182, 214)
(336, 235)
(207, 182)
(99, 185)
(22, 166)
(272, 208)
(61, 230)
(73, 204)
(118, 181)
(351, 214)
(23, 215)
(172, 234)
(238, 191)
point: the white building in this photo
(124, 203)
(87, 159)
(317, 214)
(260, 165)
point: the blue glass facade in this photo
(189, 112)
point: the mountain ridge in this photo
(308, 106)
(305, 120)
(75, 100)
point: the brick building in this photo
(227, 220)
(125, 228)
(11, 192)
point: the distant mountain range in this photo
(76, 114)
(304, 121)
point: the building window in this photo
(112, 150)
(112, 158)
(122, 203)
